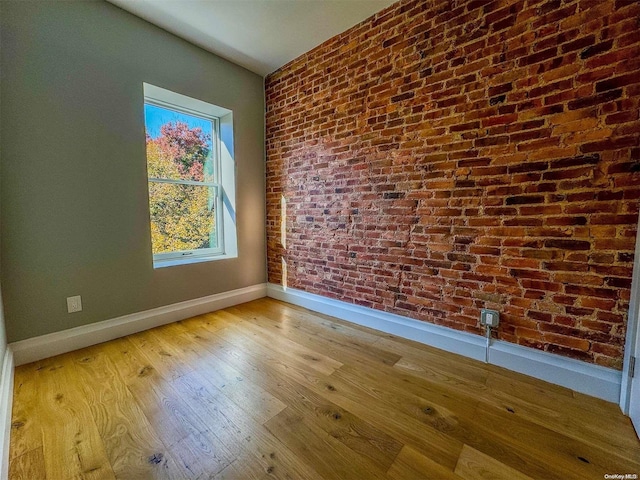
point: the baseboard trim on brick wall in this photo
(6, 403)
(583, 377)
(37, 348)
(580, 376)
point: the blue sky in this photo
(155, 117)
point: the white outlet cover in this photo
(74, 304)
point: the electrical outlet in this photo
(74, 304)
(490, 318)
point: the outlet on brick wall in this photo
(444, 157)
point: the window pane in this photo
(179, 145)
(182, 217)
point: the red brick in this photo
(616, 82)
(595, 99)
(433, 172)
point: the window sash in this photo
(215, 129)
(171, 106)
(218, 197)
(184, 182)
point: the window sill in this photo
(190, 260)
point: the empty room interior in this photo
(319, 239)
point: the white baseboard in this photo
(6, 403)
(580, 376)
(583, 377)
(37, 348)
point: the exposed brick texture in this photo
(445, 156)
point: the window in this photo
(190, 170)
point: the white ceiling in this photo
(260, 35)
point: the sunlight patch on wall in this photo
(284, 273)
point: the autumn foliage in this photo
(181, 213)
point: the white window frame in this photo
(224, 174)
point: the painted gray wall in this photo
(74, 193)
(3, 335)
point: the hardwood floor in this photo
(270, 390)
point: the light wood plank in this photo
(28, 466)
(26, 433)
(330, 458)
(243, 468)
(358, 402)
(197, 450)
(475, 465)
(72, 447)
(565, 417)
(362, 437)
(393, 346)
(330, 337)
(239, 429)
(411, 464)
(255, 401)
(133, 447)
(315, 360)
(164, 358)
(570, 458)
(443, 411)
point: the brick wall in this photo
(445, 156)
